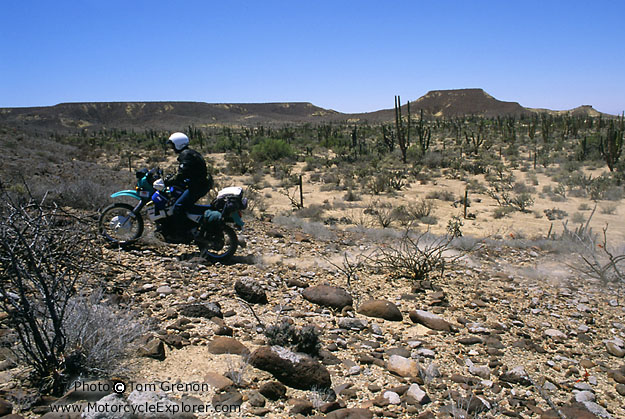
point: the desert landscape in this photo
(454, 256)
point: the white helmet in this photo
(179, 140)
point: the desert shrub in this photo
(46, 256)
(442, 195)
(314, 212)
(501, 212)
(285, 334)
(454, 226)
(99, 335)
(351, 196)
(578, 218)
(502, 188)
(429, 220)
(239, 164)
(422, 208)
(377, 183)
(382, 212)
(272, 150)
(609, 209)
(555, 214)
(583, 207)
(417, 256)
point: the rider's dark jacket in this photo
(191, 171)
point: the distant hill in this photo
(177, 115)
(160, 115)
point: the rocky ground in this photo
(506, 332)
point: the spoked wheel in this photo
(119, 225)
(219, 247)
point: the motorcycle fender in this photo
(130, 193)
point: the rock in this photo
(380, 309)
(615, 347)
(470, 340)
(331, 406)
(300, 407)
(416, 395)
(574, 410)
(273, 390)
(350, 323)
(295, 282)
(391, 397)
(584, 396)
(227, 345)
(350, 413)
(227, 400)
(112, 406)
(329, 296)
(206, 310)
(5, 407)
(555, 334)
(152, 348)
(293, 369)
(250, 291)
(403, 367)
(398, 351)
(516, 375)
(430, 320)
(480, 370)
(218, 381)
(620, 389)
(255, 399)
(596, 410)
(164, 290)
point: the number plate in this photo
(144, 194)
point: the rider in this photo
(192, 176)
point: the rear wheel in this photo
(219, 247)
(119, 225)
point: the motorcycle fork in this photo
(139, 206)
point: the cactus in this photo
(399, 127)
(611, 145)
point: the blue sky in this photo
(351, 56)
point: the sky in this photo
(350, 56)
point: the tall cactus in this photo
(424, 133)
(611, 145)
(399, 127)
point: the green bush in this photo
(272, 150)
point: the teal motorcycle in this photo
(210, 227)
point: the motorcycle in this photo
(210, 227)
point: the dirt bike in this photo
(210, 227)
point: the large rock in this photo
(250, 291)
(273, 390)
(516, 375)
(293, 369)
(403, 367)
(430, 320)
(227, 345)
(417, 395)
(151, 347)
(206, 310)
(380, 309)
(326, 295)
(615, 347)
(350, 413)
(5, 407)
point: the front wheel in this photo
(118, 224)
(219, 247)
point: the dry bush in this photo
(46, 255)
(417, 256)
